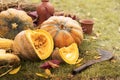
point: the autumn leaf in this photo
(53, 65)
(119, 29)
(14, 71)
(79, 61)
(97, 57)
(48, 72)
(50, 64)
(41, 75)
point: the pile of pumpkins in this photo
(58, 36)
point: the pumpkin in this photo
(8, 58)
(64, 30)
(13, 21)
(33, 44)
(6, 43)
(68, 54)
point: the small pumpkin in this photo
(33, 44)
(13, 21)
(68, 54)
(6, 43)
(64, 30)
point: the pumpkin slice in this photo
(33, 44)
(69, 54)
(42, 42)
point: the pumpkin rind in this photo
(64, 30)
(13, 21)
(27, 46)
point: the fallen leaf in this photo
(70, 76)
(119, 29)
(53, 65)
(97, 57)
(116, 48)
(94, 37)
(86, 52)
(113, 61)
(41, 75)
(48, 72)
(50, 64)
(79, 60)
(14, 71)
(97, 34)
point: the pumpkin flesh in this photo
(69, 54)
(40, 43)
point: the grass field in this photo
(106, 14)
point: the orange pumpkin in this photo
(64, 30)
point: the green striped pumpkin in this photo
(13, 21)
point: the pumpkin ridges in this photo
(54, 32)
(64, 39)
(54, 25)
(77, 35)
(48, 27)
(20, 46)
(28, 47)
(51, 22)
(14, 21)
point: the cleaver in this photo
(105, 55)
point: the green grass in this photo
(106, 14)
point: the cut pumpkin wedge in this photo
(69, 54)
(33, 44)
(42, 43)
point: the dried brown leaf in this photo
(50, 64)
(14, 71)
(53, 65)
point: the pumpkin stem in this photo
(62, 26)
(14, 25)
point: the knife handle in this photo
(83, 67)
(79, 69)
